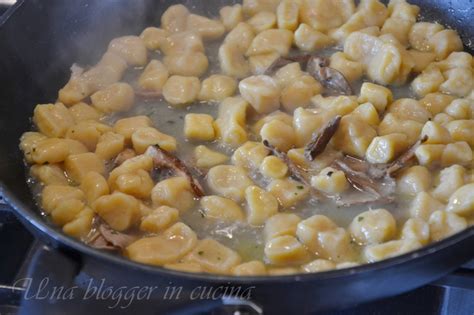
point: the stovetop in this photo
(24, 257)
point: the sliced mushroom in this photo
(107, 238)
(403, 159)
(320, 139)
(332, 80)
(164, 159)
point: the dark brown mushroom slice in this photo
(164, 159)
(295, 172)
(320, 139)
(107, 238)
(331, 79)
(403, 159)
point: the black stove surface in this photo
(26, 258)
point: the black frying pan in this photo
(40, 39)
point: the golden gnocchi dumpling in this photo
(55, 150)
(273, 167)
(214, 257)
(231, 122)
(308, 39)
(250, 268)
(53, 120)
(262, 93)
(28, 141)
(119, 210)
(189, 64)
(221, 209)
(166, 248)
(231, 16)
(324, 15)
(444, 224)
(449, 180)
(368, 113)
(127, 126)
(144, 137)
(353, 136)
(288, 192)
(389, 249)
(232, 61)
(240, 37)
(109, 145)
(174, 192)
(139, 162)
(445, 42)
(207, 158)
(259, 64)
(429, 154)
(428, 81)
(217, 87)
(330, 181)
(66, 210)
(460, 109)
(94, 185)
(182, 42)
(362, 47)
(421, 34)
(318, 265)
(262, 21)
(409, 109)
(272, 40)
(462, 130)
(335, 245)
(199, 127)
(377, 95)
(117, 97)
(228, 181)
(288, 14)
(352, 70)
(393, 124)
(88, 132)
(423, 205)
(208, 29)
(153, 37)
(174, 19)
(443, 119)
(288, 74)
(82, 111)
(285, 250)
(461, 201)
(52, 195)
(78, 165)
(422, 59)
(81, 225)
(252, 7)
(250, 155)
(436, 102)
(416, 229)
(436, 133)
(280, 224)
(373, 227)
(154, 76)
(277, 115)
(49, 174)
(279, 135)
(299, 93)
(131, 48)
(159, 219)
(260, 205)
(384, 149)
(413, 180)
(180, 90)
(457, 153)
(138, 184)
(307, 230)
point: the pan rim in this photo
(33, 221)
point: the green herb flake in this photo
(300, 187)
(360, 218)
(200, 253)
(330, 173)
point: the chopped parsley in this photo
(330, 173)
(300, 187)
(360, 218)
(200, 253)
